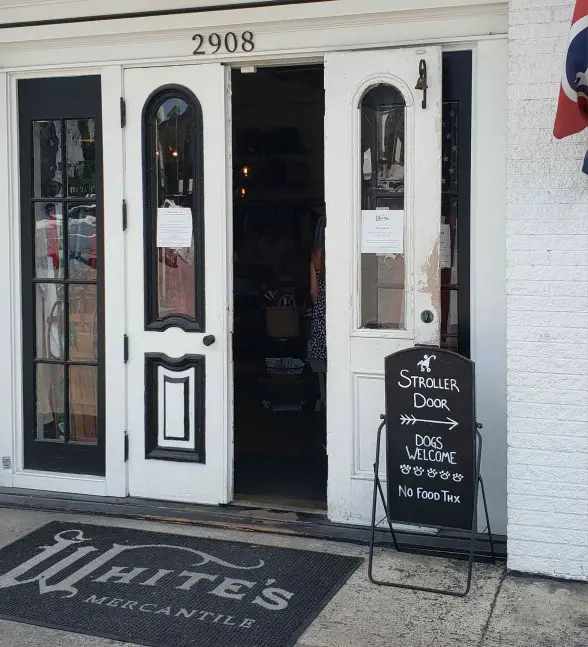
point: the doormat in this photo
(166, 590)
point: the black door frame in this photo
(457, 90)
(58, 99)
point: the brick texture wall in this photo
(547, 301)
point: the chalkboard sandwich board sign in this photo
(430, 438)
(433, 451)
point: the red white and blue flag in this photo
(572, 108)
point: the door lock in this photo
(209, 340)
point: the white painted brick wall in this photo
(547, 301)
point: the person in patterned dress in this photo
(318, 338)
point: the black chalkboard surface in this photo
(430, 416)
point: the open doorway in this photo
(279, 344)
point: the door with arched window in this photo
(383, 194)
(176, 272)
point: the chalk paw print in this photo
(405, 469)
(444, 475)
(418, 471)
(457, 477)
(431, 473)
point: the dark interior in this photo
(278, 174)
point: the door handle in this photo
(209, 340)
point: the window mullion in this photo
(66, 327)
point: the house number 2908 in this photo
(230, 42)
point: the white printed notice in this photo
(445, 247)
(174, 227)
(382, 231)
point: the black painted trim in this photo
(195, 454)
(457, 86)
(186, 382)
(182, 321)
(58, 99)
(160, 13)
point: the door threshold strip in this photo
(245, 518)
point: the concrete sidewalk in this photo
(501, 609)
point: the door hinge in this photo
(126, 445)
(126, 348)
(123, 112)
(124, 215)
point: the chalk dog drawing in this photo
(418, 471)
(405, 469)
(431, 473)
(425, 363)
(444, 475)
(457, 477)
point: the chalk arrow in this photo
(410, 419)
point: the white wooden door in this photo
(176, 269)
(383, 183)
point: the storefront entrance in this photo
(279, 340)
(277, 220)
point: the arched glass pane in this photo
(382, 111)
(174, 206)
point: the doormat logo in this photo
(72, 547)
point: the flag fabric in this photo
(572, 108)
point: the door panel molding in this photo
(174, 407)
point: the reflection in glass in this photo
(81, 157)
(174, 177)
(83, 322)
(49, 321)
(83, 404)
(50, 418)
(48, 240)
(47, 162)
(82, 241)
(382, 188)
(448, 263)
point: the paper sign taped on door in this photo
(174, 227)
(382, 231)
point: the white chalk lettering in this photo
(450, 498)
(420, 401)
(436, 442)
(405, 491)
(404, 374)
(428, 494)
(418, 381)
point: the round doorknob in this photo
(209, 340)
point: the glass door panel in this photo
(62, 274)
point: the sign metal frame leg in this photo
(378, 489)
